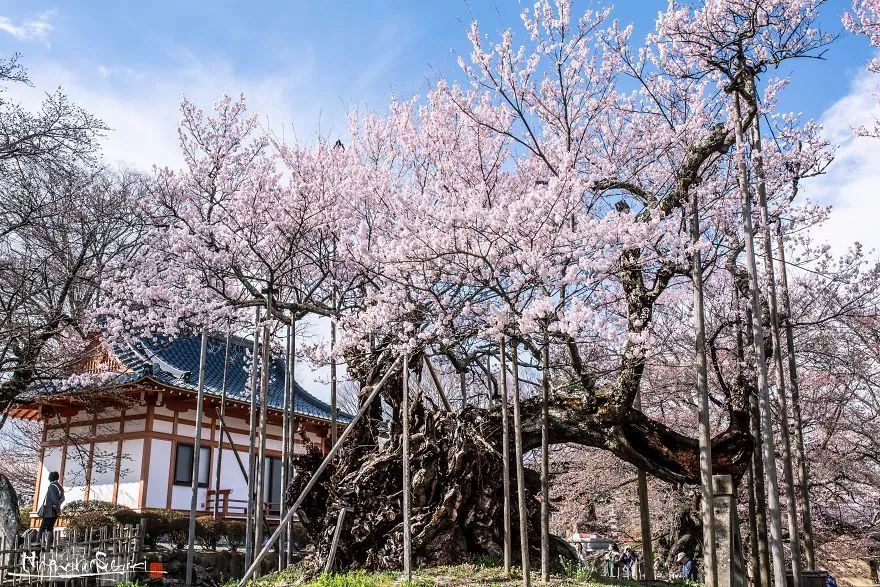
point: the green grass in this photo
(484, 572)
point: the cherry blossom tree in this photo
(534, 204)
(64, 216)
(546, 199)
(864, 19)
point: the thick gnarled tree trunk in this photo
(457, 492)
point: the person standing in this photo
(626, 563)
(688, 567)
(51, 508)
(612, 558)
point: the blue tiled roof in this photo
(175, 362)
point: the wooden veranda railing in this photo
(236, 508)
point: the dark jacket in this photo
(54, 499)
(689, 570)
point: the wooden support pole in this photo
(545, 461)
(291, 373)
(794, 541)
(221, 413)
(260, 467)
(252, 466)
(644, 513)
(331, 556)
(313, 480)
(436, 379)
(505, 454)
(334, 433)
(286, 442)
(702, 383)
(799, 451)
(334, 299)
(774, 513)
(194, 500)
(520, 473)
(462, 385)
(407, 529)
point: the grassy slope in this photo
(444, 576)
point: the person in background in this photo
(627, 561)
(51, 508)
(688, 567)
(613, 560)
(635, 568)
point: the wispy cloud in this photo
(851, 184)
(35, 29)
(141, 106)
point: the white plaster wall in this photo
(157, 480)
(135, 425)
(271, 444)
(74, 479)
(239, 438)
(163, 426)
(80, 432)
(103, 471)
(163, 411)
(107, 428)
(181, 497)
(130, 472)
(138, 409)
(81, 416)
(232, 478)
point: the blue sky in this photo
(303, 65)
(309, 62)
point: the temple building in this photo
(130, 439)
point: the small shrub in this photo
(235, 531)
(209, 531)
(155, 526)
(126, 516)
(178, 528)
(83, 521)
(79, 506)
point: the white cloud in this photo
(36, 29)
(852, 183)
(141, 107)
